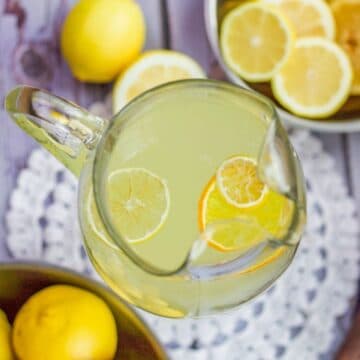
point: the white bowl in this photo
(330, 126)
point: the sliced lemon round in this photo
(256, 40)
(238, 235)
(347, 17)
(238, 182)
(95, 223)
(308, 17)
(138, 203)
(151, 69)
(316, 80)
(272, 215)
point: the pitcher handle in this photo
(69, 132)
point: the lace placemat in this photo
(297, 319)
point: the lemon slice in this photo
(256, 40)
(238, 235)
(316, 80)
(347, 17)
(151, 69)
(308, 17)
(238, 182)
(272, 215)
(95, 223)
(138, 203)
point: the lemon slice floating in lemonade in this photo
(270, 216)
(138, 202)
(235, 235)
(238, 182)
(96, 224)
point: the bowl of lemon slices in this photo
(303, 54)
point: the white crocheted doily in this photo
(298, 318)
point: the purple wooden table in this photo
(29, 33)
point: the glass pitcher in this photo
(191, 198)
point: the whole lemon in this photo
(63, 322)
(101, 37)
(5, 338)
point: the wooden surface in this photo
(29, 32)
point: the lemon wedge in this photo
(316, 80)
(308, 17)
(151, 69)
(138, 202)
(256, 40)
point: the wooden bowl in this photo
(18, 281)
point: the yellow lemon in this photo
(5, 338)
(99, 38)
(63, 322)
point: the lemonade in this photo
(167, 172)
(191, 199)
